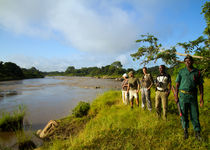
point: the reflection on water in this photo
(52, 97)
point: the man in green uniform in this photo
(133, 88)
(186, 85)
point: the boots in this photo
(198, 135)
(185, 134)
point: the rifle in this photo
(178, 105)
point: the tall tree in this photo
(117, 64)
(199, 48)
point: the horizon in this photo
(53, 35)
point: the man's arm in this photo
(128, 88)
(177, 92)
(138, 88)
(152, 82)
(201, 94)
(169, 85)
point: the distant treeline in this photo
(113, 70)
(11, 71)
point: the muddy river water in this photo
(48, 98)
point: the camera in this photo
(160, 84)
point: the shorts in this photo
(133, 93)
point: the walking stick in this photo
(178, 105)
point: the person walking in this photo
(124, 89)
(163, 88)
(133, 88)
(146, 84)
(186, 86)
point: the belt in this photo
(162, 90)
(186, 92)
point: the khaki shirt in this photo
(146, 81)
(133, 83)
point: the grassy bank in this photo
(112, 125)
(12, 121)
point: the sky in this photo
(54, 34)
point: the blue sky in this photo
(52, 35)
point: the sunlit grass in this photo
(12, 121)
(113, 125)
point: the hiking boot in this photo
(198, 135)
(185, 134)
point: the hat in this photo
(131, 72)
(188, 57)
(125, 75)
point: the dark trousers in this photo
(189, 103)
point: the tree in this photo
(117, 64)
(206, 12)
(199, 47)
(70, 69)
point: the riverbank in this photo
(112, 125)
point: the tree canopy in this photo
(198, 48)
(11, 71)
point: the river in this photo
(49, 98)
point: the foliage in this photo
(81, 109)
(206, 12)
(151, 50)
(32, 73)
(11, 71)
(14, 121)
(117, 64)
(113, 70)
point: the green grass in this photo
(12, 121)
(112, 125)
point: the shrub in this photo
(81, 109)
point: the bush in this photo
(81, 109)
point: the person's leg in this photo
(131, 98)
(126, 98)
(164, 99)
(143, 98)
(137, 99)
(194, 116)
(149, 103)
(158, 103)
(123, 96)
(184, 118)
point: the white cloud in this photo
(104, 29)
(93, 25)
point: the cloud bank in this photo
(92, 26)
(105, 30)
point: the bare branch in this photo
(180, 54)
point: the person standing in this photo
(163, 88)
(186, 86)
(133, 88)
(146, 84)
(124, 89)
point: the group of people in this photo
(185, 93)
